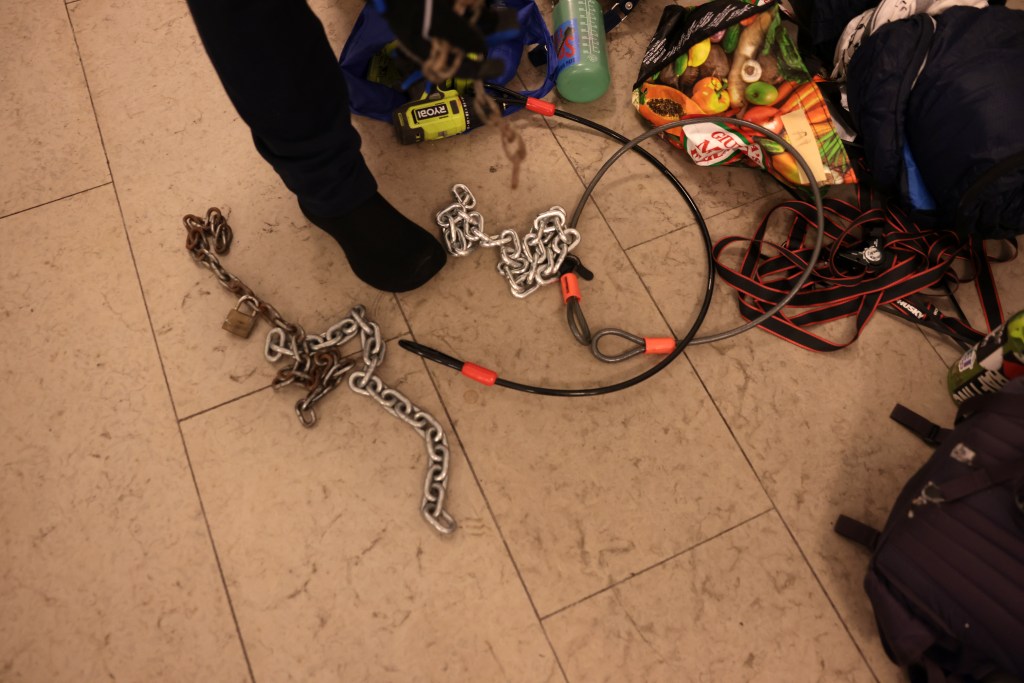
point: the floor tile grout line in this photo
(222, 404)
(760, 481)
(750, 464)
(800, 549)
(216, 554)
(828, 597)
(715, 403)
(156, 344)
(58, 199)
(257, 390)
(707, 392)
(707, 218)
(626, 250)
(487, 502)
(593, 199)
(659, 563)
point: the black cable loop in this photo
(510, 96)
(639, 345)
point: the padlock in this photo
(239, 322)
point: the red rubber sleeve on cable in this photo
(570, 287)
(540, 106)
(480, 374)
(660, 346)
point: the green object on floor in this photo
(991, 363)
(441, 115)
(580, 47)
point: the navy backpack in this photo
(946, 576)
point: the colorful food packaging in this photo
(991, 363)
(736, 58)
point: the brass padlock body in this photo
(238, 322)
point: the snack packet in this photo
(736, 58)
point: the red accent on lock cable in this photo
(540, 106)
(570, 287)
(480, 374)
(659, 346)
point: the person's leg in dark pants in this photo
(278, 68)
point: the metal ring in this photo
(931, 493)
(640, 345)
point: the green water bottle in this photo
(580, 47)
(990, 363)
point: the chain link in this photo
(316, 362)
(526, 263)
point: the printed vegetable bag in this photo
(736, 58)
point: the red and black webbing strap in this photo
(985, 283)
(917, 309)
(898, 260)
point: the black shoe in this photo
(384, 248)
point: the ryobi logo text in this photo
(431, 112)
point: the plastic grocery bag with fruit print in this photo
(736, 58)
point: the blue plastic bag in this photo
(371, 33)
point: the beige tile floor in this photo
(164, 517)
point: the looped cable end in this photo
(639, 345)
(660, 346)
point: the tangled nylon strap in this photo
(877, 258)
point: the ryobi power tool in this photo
(440, 115)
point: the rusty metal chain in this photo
(316, 361)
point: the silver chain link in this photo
(526, 263)
(316, 362)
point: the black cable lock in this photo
(489, 377)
